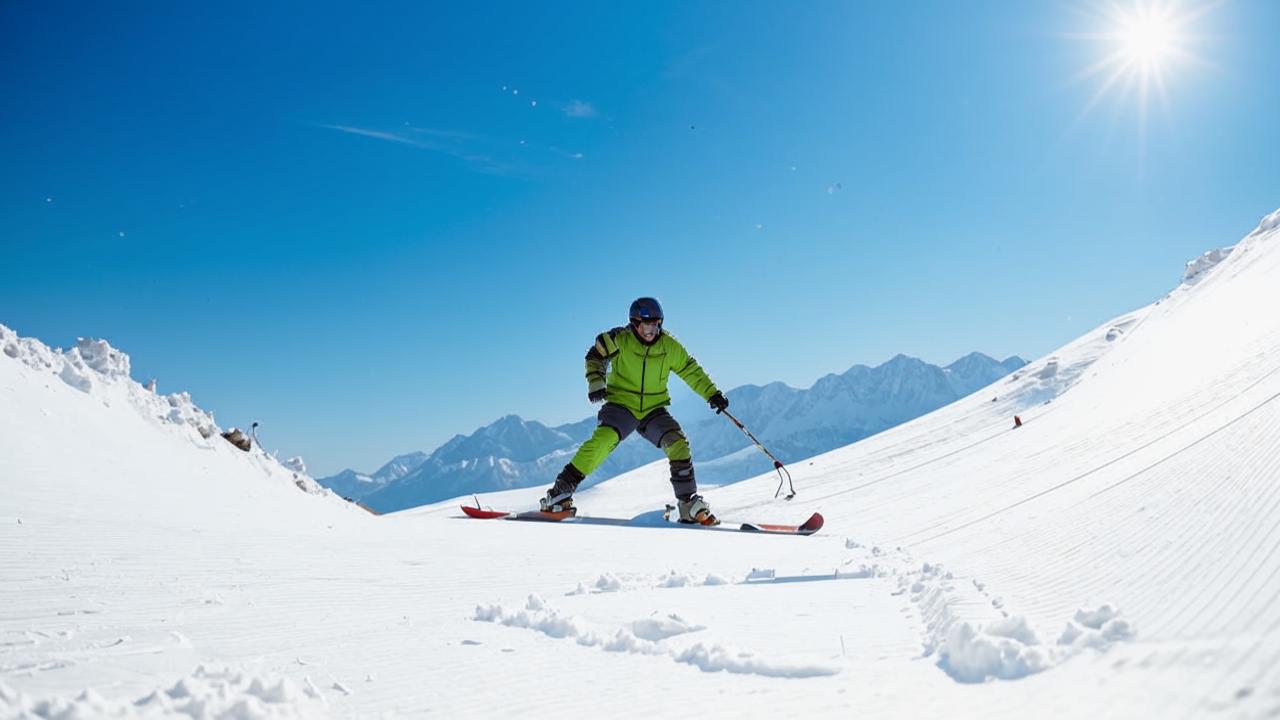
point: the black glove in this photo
(596, 396)
(718, 402)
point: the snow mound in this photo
(535, 616)
(1198, 269)
(80, 367)
(206, 693)
(93, 366)
(661, 628)
(1006, 649)
(717, 658)
(1009, 648)
(1049, 378)
(677, 580)
(1097, 629)
(608, 582)
(1267, 224)
(1096, 618)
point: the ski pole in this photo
(777, 464)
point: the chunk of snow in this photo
(1096, 618)
(1049, 370)
(206, 693)
(676, 580)
(75, 376)
(1197, 269)
(661, 628)
(1015, 627)
(974, 654)
(1117, 629)
(716, 658)
(1267, 224)
(608, 583)
(1098, 629)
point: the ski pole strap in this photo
(784, 475)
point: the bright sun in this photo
(1147, 37)
(1146, 44)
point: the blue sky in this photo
(350, 226)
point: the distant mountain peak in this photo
(902, 359)
(902, 364)
(975, 356)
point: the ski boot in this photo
(560, 497)
(556, 501)
(696, 511)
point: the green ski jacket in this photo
(637, 373)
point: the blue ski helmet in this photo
(646, 308)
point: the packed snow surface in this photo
(1118, 555)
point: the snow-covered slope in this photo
(1118, 555)
(121, 511)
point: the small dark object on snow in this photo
(362, 506)
(1017, 421)
(238, 438)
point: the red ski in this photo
(649, 520)
(480, 514)
(808, 527)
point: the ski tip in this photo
(480, 514)
(813, 524)
(808, 527)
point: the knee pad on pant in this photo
(676, 446)
(606, 436)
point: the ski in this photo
(656, 518)
(808, 527)
(536, 515)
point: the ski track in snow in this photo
(645, 637)
(1004, 647)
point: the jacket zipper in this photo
(644, 365)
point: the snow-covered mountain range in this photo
(355, 485)
(795, 424)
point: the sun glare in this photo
(1147, 37)
(1146, 46)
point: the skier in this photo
(638, 359)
